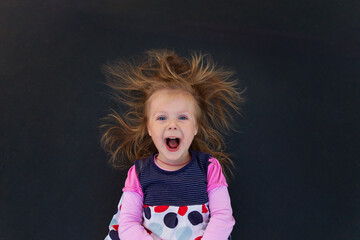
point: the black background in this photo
(297, 149)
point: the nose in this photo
(172, 125)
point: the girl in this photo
(178, 109)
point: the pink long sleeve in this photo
(130, 220)
(221, 220)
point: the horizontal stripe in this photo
(187, 186)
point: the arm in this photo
(221, 220)
(128, 220)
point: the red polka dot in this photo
(120, 207)
(182, 210)
(160, 209)
(204, 209)
(148, 231)
(116, 227)
(198, 238)
(145, 206)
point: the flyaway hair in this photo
(125, 135)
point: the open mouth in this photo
(172, 143)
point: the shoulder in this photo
(215, 176)
(214, 163)
(132, 183)
(140, 164)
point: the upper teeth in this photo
(172, 138)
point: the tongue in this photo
(173, 143)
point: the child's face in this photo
(172, 124)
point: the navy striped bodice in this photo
(186, 186)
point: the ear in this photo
(196, 130)
(148, 130)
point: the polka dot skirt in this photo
(176, 223)
(169, 222)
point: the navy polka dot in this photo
(147, 212)
(171, 220)
(114, 235)
(195, 218)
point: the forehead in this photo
(169, 98)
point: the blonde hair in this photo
(125, 136)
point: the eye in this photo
(161, 118)
(183, 117)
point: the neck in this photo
(173, 165)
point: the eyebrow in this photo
(164, 112)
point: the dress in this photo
(175, 203)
